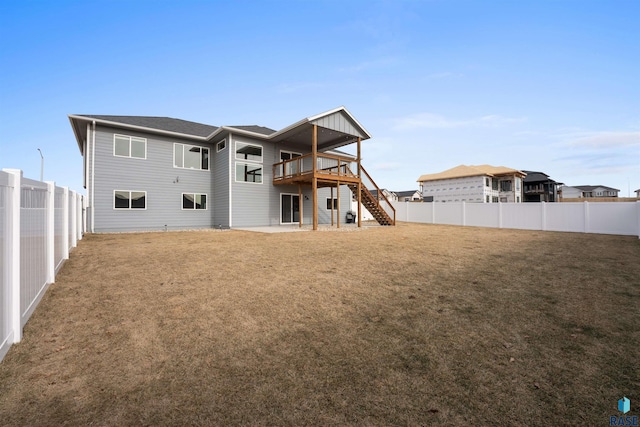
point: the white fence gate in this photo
(39, 223)
(582, 217)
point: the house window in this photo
(517, 199)
(129, 146)
(288, 155)
(124, 199)
(494, 184)
(505, 185)
(486, 182)
(487, 198)
(190, 157)
(221, 145)
(194, 201)
(249, 152)
(248, 172)
(494, 199)
(335, 203)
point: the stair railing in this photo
(382, 200)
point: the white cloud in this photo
(436, 121)
(604, 140)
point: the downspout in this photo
(93, 176)
(231, 175)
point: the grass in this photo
(412, 325)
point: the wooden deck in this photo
(329, 171)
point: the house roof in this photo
(533, 176)
(405, 193)
(593, 187)
(337, 127)
(256, 129)
(168, 124)
(464, 171)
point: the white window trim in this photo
(190, 145)
(235, 153)
(194, 202)
(235, 174)
(130, 208)
(218, 149)
(130, 137)
(290, 152)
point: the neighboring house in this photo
(538, 187)
(637, 193)
(158, 173)
(390, 195)
(409, 196)
(587, 191)
(480, 184)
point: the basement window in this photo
(125, 199)
(194, 201)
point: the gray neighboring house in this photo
(160, 173)
(409, 196)
(587, 191)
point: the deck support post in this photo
(332, 206)
(314, 184)
(338, 198)
(300, 207)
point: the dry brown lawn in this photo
(412, 325)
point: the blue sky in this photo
(536, 85)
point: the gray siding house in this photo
(160, 173)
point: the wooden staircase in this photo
(372, 204)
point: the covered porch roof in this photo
(336, 128)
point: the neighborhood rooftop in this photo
(463, 171)
(593, 187)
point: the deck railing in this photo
(326, 164)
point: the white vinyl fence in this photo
(583, 217)
(39, 223)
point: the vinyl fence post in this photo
(586, 217)
(499, 214)
(51, 231)
(65, 223)
(82, 222)
(638, 216)
(79, 211)
(15, 183)
(433, 212)
(543, 214)
(72, 222)
(464, 214)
